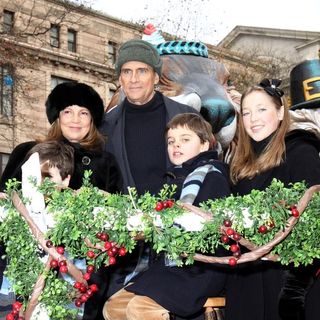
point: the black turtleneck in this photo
(301, 163)
(145, 143)
(259, 146)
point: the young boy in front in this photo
(164, 289)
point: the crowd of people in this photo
(153, 140)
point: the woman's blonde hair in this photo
(245, 163)
(92, 141)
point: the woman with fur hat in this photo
(267, 149)
(75, 110)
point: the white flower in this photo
(158, 221)
(3, 213)
(190, 221)
(247, 221)
(135, 221)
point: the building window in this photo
(112, 49)
(3, 161)
(6, 91)
(8, 19)
(72, 40)
(55, 36)
(57, 80)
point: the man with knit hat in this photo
(135, 131)
(135, 128)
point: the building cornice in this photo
(266, 32)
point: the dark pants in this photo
(297, 282)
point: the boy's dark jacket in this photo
(183, 290)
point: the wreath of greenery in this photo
(82, 216)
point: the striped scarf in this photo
(190, 190)
(194, 181)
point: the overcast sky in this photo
(211, 20)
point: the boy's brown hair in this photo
(195, 123)
(58, 154)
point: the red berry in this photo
(78, 303)
(87, 276)
(230, 232)
(295, 212)
(227, 223)
(17, 305)
(110, 253)
(236, 236)
(224, 238)
(84, 298)
(62, 263)
(107, 245)
(234, 248)
(91, 254)
(170, 203)
(83, 288)
(77, 285)
(112, 260)
(90, 268)
(49, 243)
(262, 229)
(10, 316)
(232, 261)
(98, 235)
(94, 287)
(104, 236)
(54, 263)
(63, 269)
(60, 250)
(114, 250)
(159, 206)
(90, 292)
(122, 251)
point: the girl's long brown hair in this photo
(244, 162)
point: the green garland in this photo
(89, 212)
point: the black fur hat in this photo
(74, 93)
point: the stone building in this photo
(42, 44)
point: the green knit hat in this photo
(139, 50)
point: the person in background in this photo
(135, 131)
(267, 149)
(165, 288)
(75, 111)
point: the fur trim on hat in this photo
(74, 93)
(139, 50)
